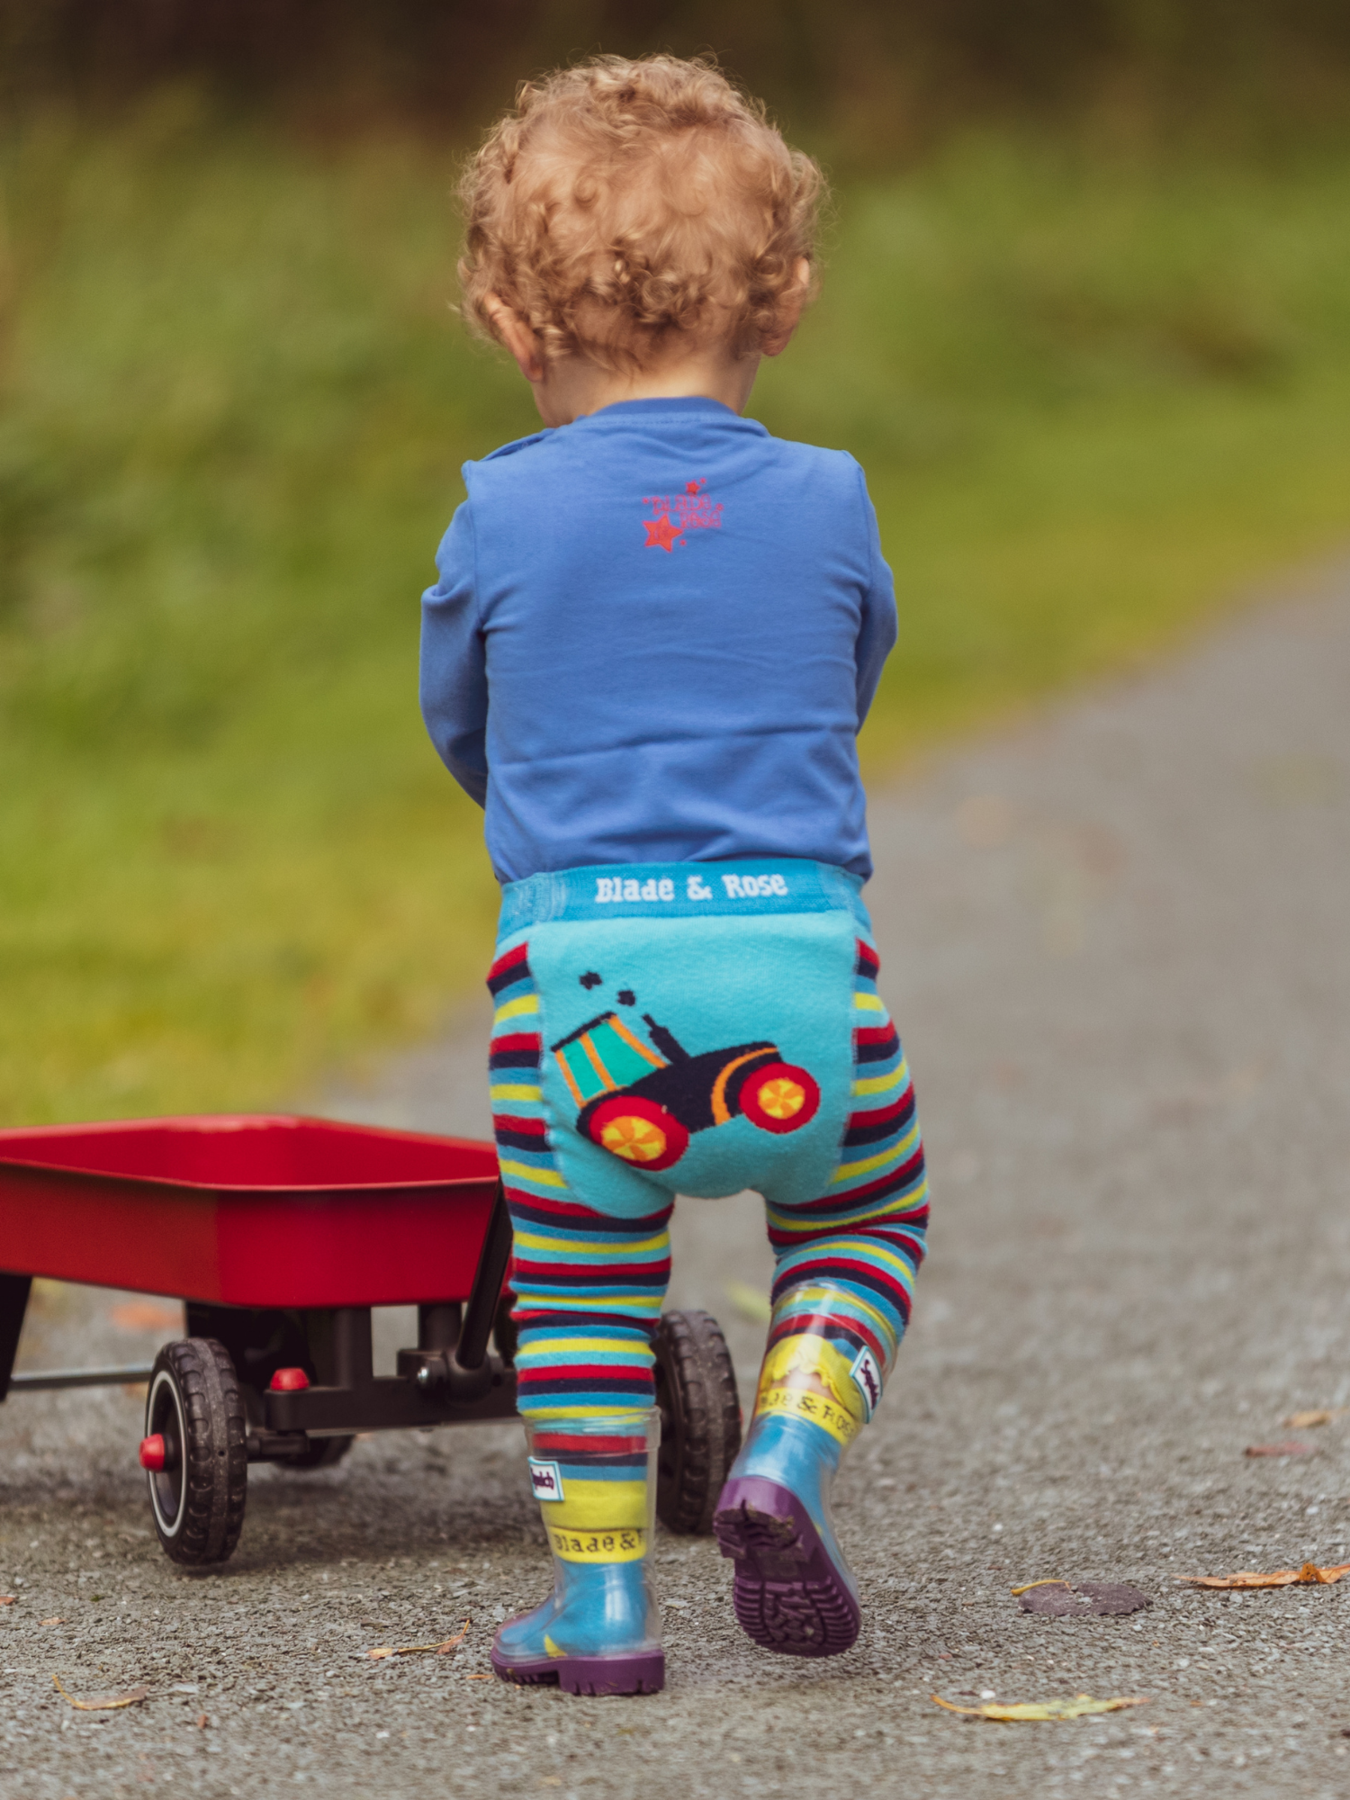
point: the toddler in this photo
(656, 632)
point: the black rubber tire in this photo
(194, 1401)
(322, 1453)
(700, 1419)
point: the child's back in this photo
(656, 633)
(681, 621)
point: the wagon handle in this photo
(465, 1369)
(471, 1350)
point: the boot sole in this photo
(641, 1674)
(789, 1593)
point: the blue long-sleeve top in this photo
(654, 638)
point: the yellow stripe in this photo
(546, 1346)
(605, 1252)
(869, 1164)
(868, 1003)
(627, 1544)
(881, 1084)
(515, 1009)
(544, 1177)
(634, 1303)
(511, 1091)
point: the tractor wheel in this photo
(779, 1096)
(638, 1131)
(194, 1452)
(700, 1419)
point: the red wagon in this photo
(280, 1234)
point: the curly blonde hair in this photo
(622, 204)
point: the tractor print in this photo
(642, 1101)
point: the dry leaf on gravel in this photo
(1289, 1449)
(51, 1621)
(6, 1599)
(1249, 1578)
(1317, 1415)
(147, 1315)
(1043, 1709)
(447, 1647)
(108, 1703)
(750, 1302)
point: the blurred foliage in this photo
(868, 80)
(1094, 393)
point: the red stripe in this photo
(874, 1034)
(526, 1127)
(599, 1373)
(869, 963)
(509, 961)
(882, 1114)
(516, 1040)
(599, 1446)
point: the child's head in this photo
(628, 212)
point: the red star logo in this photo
(661, 531)
(692, 487)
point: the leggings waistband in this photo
(683, 890)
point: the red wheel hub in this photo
(288, 1381)
(638, 1132)
(154, 1453)
(779, 1096)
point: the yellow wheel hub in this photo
(782, 1098)
(635, 1139)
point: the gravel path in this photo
(1116, 943)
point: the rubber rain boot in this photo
(600, 1630)
(828, 1356)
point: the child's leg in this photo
(846, 1262)
(589, 1289)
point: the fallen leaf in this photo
(447, 1647)
(108, 1703)
(147, 1315)
(1249, 1578)
(1290, 1449)
(51, 1621)
(6, 1599)
(1043, 1709)
(202, 1721)
(1081, 1599)
(478, 1677)
(1318, 1415)
(750, 1302)
(1049, 1581)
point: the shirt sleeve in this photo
(453, 675)
(878, 630)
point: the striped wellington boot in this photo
(828, 1355)
(599, 1632)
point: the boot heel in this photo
(788, 1595)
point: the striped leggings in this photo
(845, 1194)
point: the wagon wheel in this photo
(638, 1131)
(194, 1452)
(700, 1419)
(779, 1096)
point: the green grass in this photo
(1096, 400)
